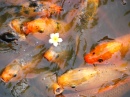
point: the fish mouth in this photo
(57, 89)
(88, 59)
(3, 80)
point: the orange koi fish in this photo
(23, 26)
(107, 77)
(16, 25)
(39, 26)
(106, 50)
(40, 8)
(59, 54)
(21, 68)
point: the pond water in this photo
(86, 25)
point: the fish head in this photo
(51, 55)
(57, 89)
(95, 55)
(10, 72)
(16, 25)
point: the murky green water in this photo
(112, 20)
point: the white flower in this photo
(55, 39)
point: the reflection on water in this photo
(88, 23)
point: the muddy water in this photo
(112, 20)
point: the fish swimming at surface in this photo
(21, 67)
(80, 79)
(106, 50)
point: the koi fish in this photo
(106, 50)
(16, 25)
(23, 27)
(72, 79)
(81, 79)
(59, 54)
(40, 26)
(40, 8)
(21, 68)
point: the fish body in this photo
(107, 77)
(106, 50)
(39, 27)
(88, 14)
(23, 26)
(16, 25)
(21, 67)
(40, 8)
(73, 78)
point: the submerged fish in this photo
(107, 50)
(81, 79)
(60, 54)
(87, 16)
(21, 67)
(40, 8)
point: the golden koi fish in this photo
(21, 67)
(107, 77)
(106, 50)
(42, 26)
(72, 79)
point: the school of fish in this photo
(102, 68)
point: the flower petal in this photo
(55, 44)
(57, 34)
(50, 41)
(52, 35)
(60, 40)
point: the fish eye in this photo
(57, 56)
(93, 53)
(73, 86)
(100, 60)
(14, 75)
